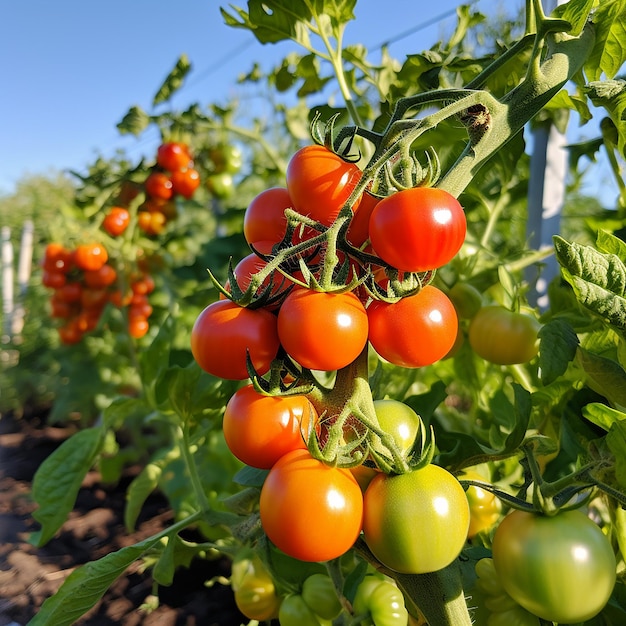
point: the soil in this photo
(29, 575)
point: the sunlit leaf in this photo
(609, 51)
(602, 415)
(557, 348)
(174, 80)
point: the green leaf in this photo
(250, 477)
(576, 12)
(558, 343)
(86, 585)
(155, 360)
(616, 441)
(59, 478)
(609, 50)
(604, 376)
(134, 122)
(174, 80)
(611, 94)
(602, 415)
(609, 243)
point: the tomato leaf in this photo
(59, 478)
(250, 476)
(174, 80)
(557, 348)
(602, 415)
(576, 12)
(616, 441)
(87, 584)
(155, 360)
(609, 50)
(604, 376)
(134, 122)
(611, 94)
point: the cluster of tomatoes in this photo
(174, 174)
(83, 283)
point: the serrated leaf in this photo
(611, 95)
(604, 376)
(609, 50)
(86, 585)
(558, 343)
(59, 478)
(609, 243)
(134, 122)
(174, 80)
(602, 415)
(576, 12)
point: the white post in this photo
(24, 266)
(7, 284)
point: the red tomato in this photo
(224, 331)
(143, 285)
(264, 219)
(260, 429)
(359, 229)
(138, 326)
(173, 156)
(57, 258)
(70, 292)
(322, 331)
(116, 221)
(309, 510)
(417, 229)
(185, 182)
(159, 185)
(319, 182)
(90, 256)
(53, 280)
(102, 277)
(415, 331)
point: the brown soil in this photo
(29, 575)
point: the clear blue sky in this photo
(72, 68)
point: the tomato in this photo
(185, 182)
(485, 507)
(173, 156)
(503, 337)
(320, 595)
(253, 588)
(138, 326)
(53, 280)
(309, 510)
(415, 331)
(319, 183)
(90, 256)
(260, 429)
(151, 222)
(57, 258)
(221, 185)
(116, 221)
(359, 229)
(159, 185)
(416, 522)
(294, 611)
(417, 229)
(91, 298)
(226, 158)
(224, 332)
(561, 568)
(70, 292)
(264, 219)
(322, 331)
(69, 333)
(398, 420)
(102, 277)
(466, 299)
(380, 599)
(143, 285)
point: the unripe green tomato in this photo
(503, 337)
(318, 591)
(294, 611)
(467, 300)
(398, 420)
(226, 158)
(382, 601)
(221, 185)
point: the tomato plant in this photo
(417, 229)
(561, 568)
(225, 333)
(309, 510)
(416, 331)
(416, 522)
(503, 337)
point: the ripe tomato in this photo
(224, 332)
(102, 277)
(264, 219)
(503, 337)
(116, 221)
(417, 229)
(173, 156)
(322, 331)
(185, 182)
(57, 258)
(359, 229)
(254, 590)
(90, 256)
(53, 280)
(416, 522)
(560, 568)
(143, 285)
(381, 599)
(138, 326)
(319, 182)
(485, 507)
(309, 510)
(415, 331)
(260, 429)
(159, 185)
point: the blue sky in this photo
(71, 69)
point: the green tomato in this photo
(467, 300)
(398, 420)
(221, 185)
(294, 611)
(319, 594)
(416, 522)
(381, 600)
(253, 588)
(503, 337)
(560, 568)
(226, 158)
